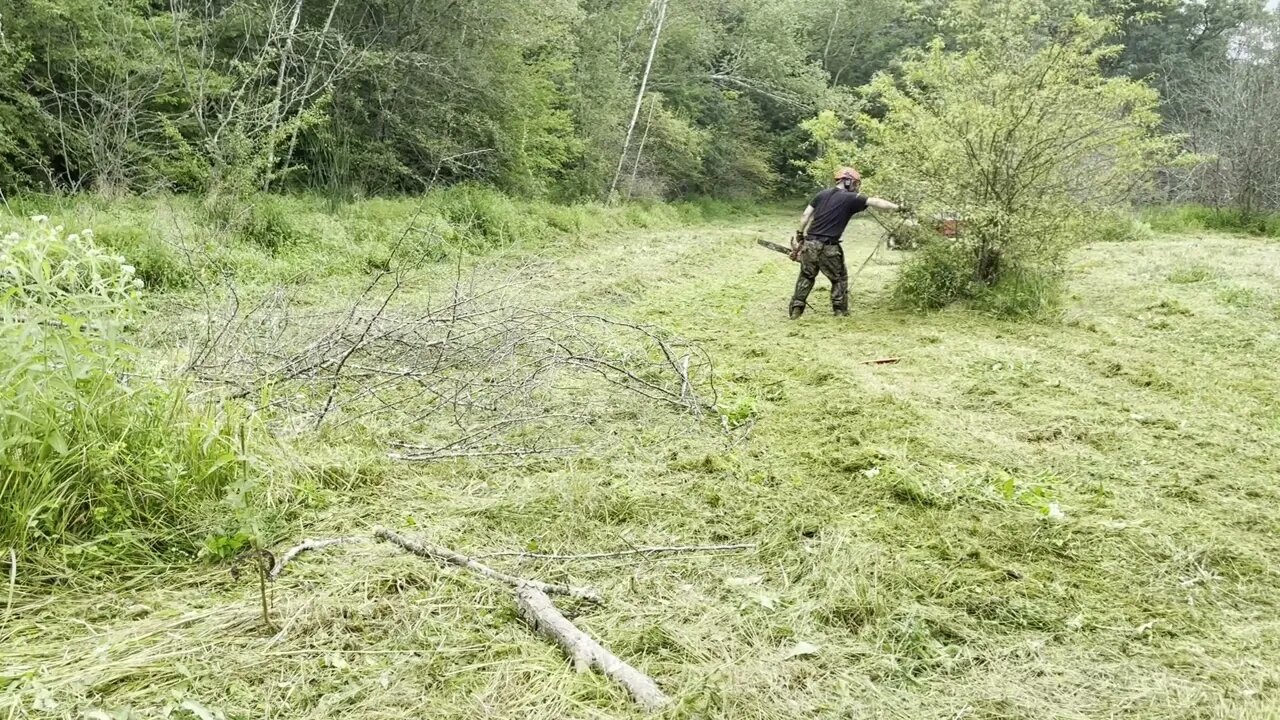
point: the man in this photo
(817, 242)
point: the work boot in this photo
(840, 313)
(796, 312)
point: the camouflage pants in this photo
(829, 259)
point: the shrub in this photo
(1021, 295)
(1116, 227)
(158, 265)
(939, 274)
(93, 455)
(266, 225)
(952, 136)
(487, 218)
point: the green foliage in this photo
(939, 274)
(158, 265)
(1021, 295)
(1024, 139)
(1115, 226)
(234, 98)
(265, 224)
(833, 147)
(1191, 273)
(96, 457)
(1199, 218)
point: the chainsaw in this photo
(792, 252)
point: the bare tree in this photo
(644, 84)
(250, 102)
(1227, 113)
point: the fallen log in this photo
(542, 614)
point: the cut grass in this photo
(902, 511)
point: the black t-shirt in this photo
(832, 209)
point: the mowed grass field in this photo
(1073, 518)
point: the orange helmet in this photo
(848, 173)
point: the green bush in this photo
(94, 456)
(158, 265)
(1021, 295)
(485, 218)
(267, 225)
(1116, 227)
(939, 274)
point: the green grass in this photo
(178, 241)
(1199, 218)
(1072, 518)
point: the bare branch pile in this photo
(469, 373)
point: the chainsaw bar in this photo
(774, 246)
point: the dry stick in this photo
(306, 546)
(437, 552)
(538, 610)
(683, 369)
(13, 580)
(622, 553)
(460, 454)
(882, 361)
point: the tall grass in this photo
(95, 457)
(176, 241)
(1200, 218)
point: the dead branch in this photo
(512, 452)
(646, 551)
(306, 546)
(538, 610)
(13, 581)
(475, 374)
(437, 552)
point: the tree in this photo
(1227, 112)
(1019, 133)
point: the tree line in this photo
(562, 99)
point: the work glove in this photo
(797, 242)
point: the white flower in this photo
(127, 269)
(1055, 512)
(74, 238)
(58, 229)
(40, 219)
(12, 237)
(137, 282)
(87, 232)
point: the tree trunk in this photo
(644, 84)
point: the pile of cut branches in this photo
(471, 372)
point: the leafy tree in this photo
(1021, 136)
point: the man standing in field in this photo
(817, 242)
